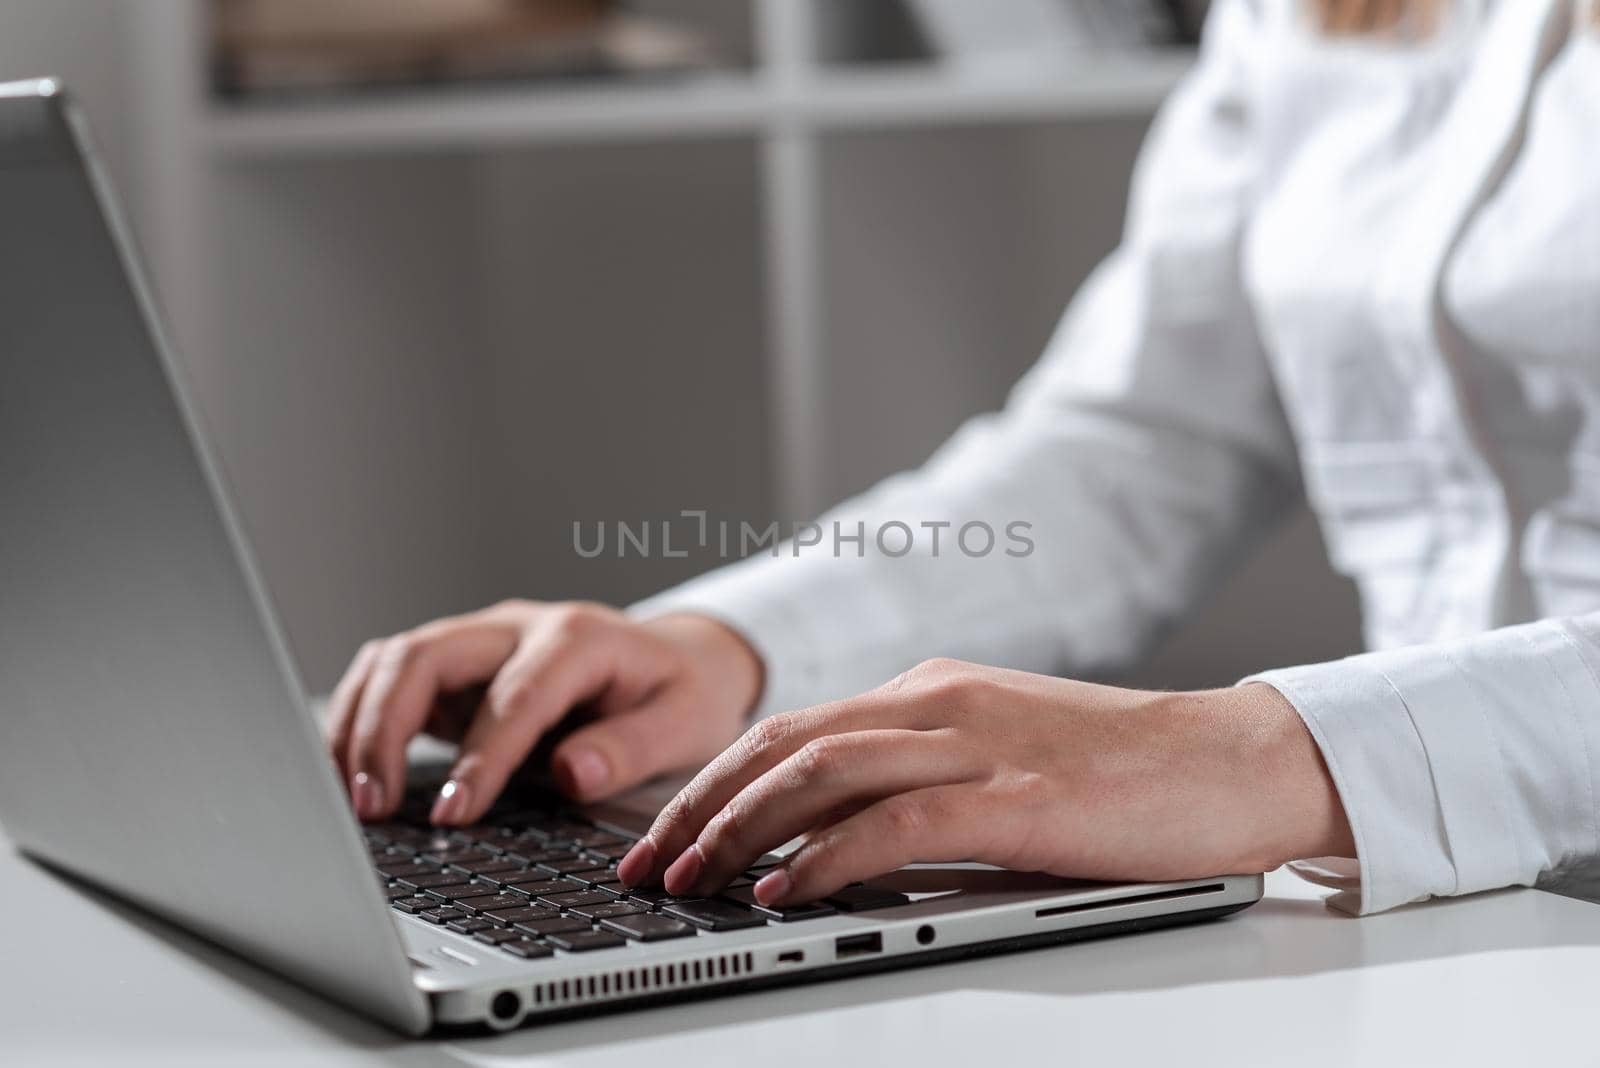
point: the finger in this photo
(341, 715)
(623, 749)
(939, 824)
(408, 675)
(839, 771)
(452, 713)
(554, 669)
(758, 750)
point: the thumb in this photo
(623, 750)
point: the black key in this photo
(648, 927)
(541, 928)
(443, 914)
(469, 835)
(455, 854)
(535, 838)
(519, 819)
(528, 832)
(583, 941)
(397, 868)
(596, 839)
(865, 899)
(470, 925)
(430, 880)
(609, 910)
(526, 914)
(485, 866)
(714, 915)
(492, 903)
(811, 910)
(608, 854)
(394, 833)
(395, 893)
(496, 838)
(528, 949)
(612, 887)
(426, 844)
(577, 897)
(505, 880)
(495, 935)
(459, 891)
(539, 855)
(653, 896)
(544, 886)
(566, 867)
(745, 895)
(414, 904)
(562, 833)
(592, 876)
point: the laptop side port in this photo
(793, 956)
(857, 945)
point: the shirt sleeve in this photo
(1133, 464)
(1463, 766)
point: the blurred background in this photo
(450, 275)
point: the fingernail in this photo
(774, 886)
(685, 871)
(452, 803)
(638, 862)
(589, 771)
(366, 794)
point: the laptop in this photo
(157, 746)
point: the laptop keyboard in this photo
(532, 882)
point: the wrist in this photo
(1296, 805)
(723, 655)
(1248, 760)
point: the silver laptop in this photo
(156, 744)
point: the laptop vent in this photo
(629, 982)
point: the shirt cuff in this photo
(1380, 770)
(1462, 766)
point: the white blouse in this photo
(1367, 272)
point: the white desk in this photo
(1505, 979)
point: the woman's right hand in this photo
(668, 694)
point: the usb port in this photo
(857, 945)
(793, 956)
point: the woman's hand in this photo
(669, 693)
(956, 762)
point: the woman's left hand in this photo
(957, 762)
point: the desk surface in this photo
(1501, 978)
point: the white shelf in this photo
(487, 118)
(843, 98)
(928, 96)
